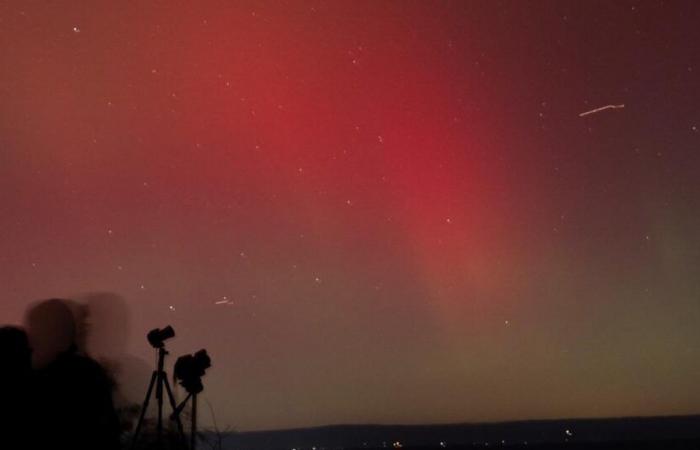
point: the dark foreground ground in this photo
(630, 445)
(623, 445)
(633, 433)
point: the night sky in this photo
(366, 211)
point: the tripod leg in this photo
(193, 431)
(171, 397)
(143, 409)
(159, 398)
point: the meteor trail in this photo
(602, 108)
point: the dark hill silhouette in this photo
(630, 432)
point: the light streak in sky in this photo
(602, 108)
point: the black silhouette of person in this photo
(75, 392)
(15, 388)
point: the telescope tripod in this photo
(159, 379)
(178, 410)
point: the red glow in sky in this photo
(366, 211)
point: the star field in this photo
(367, 212)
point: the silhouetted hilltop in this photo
(629, 432)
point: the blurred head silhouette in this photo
(75, 389)
(106, 323)
(52, 330)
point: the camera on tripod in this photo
(158, 336)
(189, 370)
